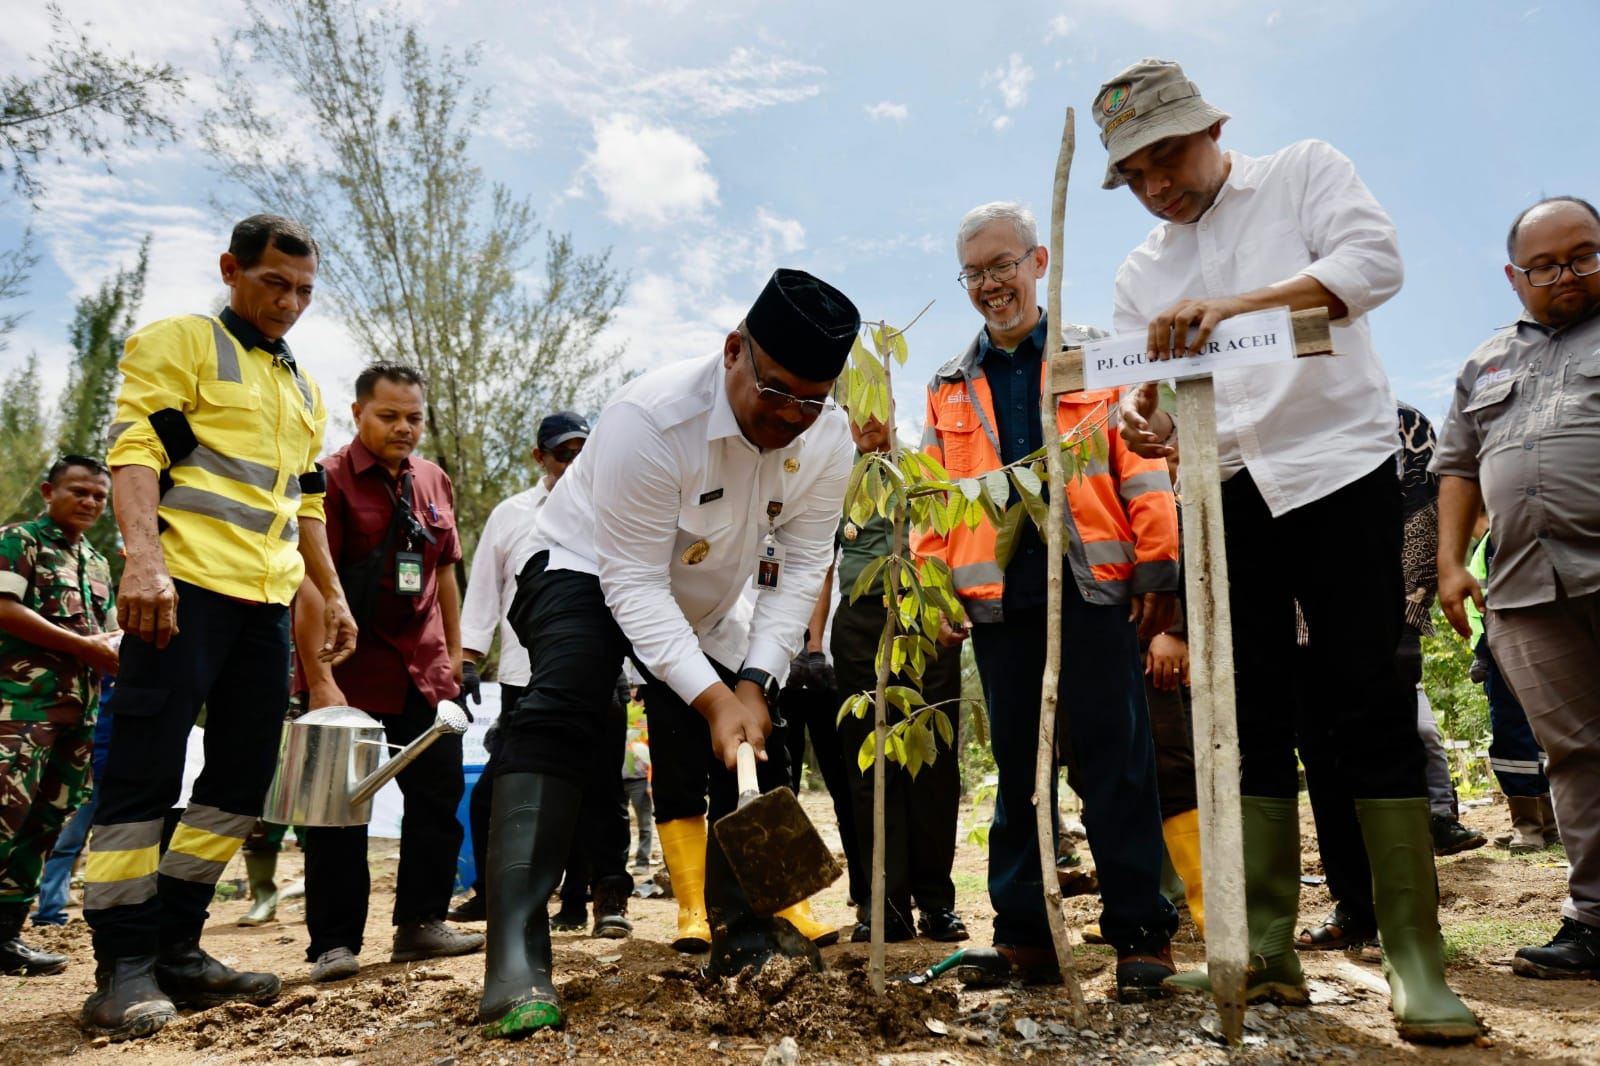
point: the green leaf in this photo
(905, 697)
(973, 514)
(867, 754)
(908, 612)
(970, 487)
(998, 487)
(1101, 446)
(1005, 541)
(865, 578)
(947, 732)
(858, 473)
(994, 512)
(1028, 487)
(897, 347)
(858, 351)
(934, 468)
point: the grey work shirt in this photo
(1525, 425)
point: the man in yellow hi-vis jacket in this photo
(220, 505)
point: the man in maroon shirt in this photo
(392, 532)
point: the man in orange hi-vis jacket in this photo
(1121, 580)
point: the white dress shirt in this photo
(668, 468)
(1313, 426)
(505, 544)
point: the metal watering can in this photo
(328, 767)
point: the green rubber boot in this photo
(530, 832)
(261, 867)
(1405, 894)
(1272, 904)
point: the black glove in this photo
(470, 683)
(491, 737)
(811, 670)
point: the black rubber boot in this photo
(17, 957)
(127, 1002)
(191, 978)
(530, 832)
(611, 907)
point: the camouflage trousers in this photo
(44, 776)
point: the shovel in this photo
(936, 970)
(772, 847)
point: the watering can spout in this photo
(451, 719)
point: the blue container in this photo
(466, 862)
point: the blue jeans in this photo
(58, 867)
(1112, 765)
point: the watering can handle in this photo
(749, 787)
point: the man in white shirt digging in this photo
(699, 477)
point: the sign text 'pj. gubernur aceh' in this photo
(1246, 340)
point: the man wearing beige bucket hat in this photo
(1306, 455)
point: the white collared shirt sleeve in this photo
(1351, 237)
(635, 499)
(778, 629)
(481, 608)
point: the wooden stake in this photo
(1216, 730)
(1045, 767)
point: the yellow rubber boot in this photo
(683, 845)
(801, 918)
(1182, 834)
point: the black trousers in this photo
(1340, 558)
(1172, 733)
(562, 726)
(338, 881)
(1339, 840)
(481, 802)
(233, 658)
(919, 820)
(815, 711)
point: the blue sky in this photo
(707, 143)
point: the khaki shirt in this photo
(1525, 425)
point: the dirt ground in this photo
(639, 1001)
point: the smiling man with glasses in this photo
(1522, 437)
(699, 476)
(1121, 555)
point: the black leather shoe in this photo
(894, 931)
(191, 978)
(127, 1003)
(1139, 974)
(1573, 952)
(1451, 837)
(942, 926)
(17, 957)
(992, 967)
(472, 909)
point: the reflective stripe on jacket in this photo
(232, 513)
(1121, 518)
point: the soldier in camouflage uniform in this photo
(57, 637)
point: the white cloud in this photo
(649, 175)
(1060, 26)
(1012, 80)
(1001, 122)
(789, 233)
(884, 109)
(1274, 17)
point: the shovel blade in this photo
(775, 852)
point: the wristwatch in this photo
(768, 683)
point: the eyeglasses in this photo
(777, 397)
(973, 279)
(1547, 274)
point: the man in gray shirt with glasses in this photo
(1523, 437)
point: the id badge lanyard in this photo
(408, 563)
(769, 560)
